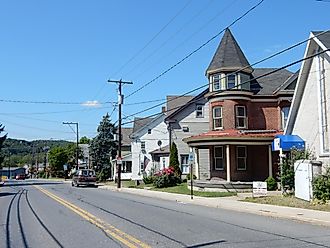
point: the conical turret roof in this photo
(229, 56)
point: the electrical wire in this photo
(217, 92)
(239, 70)
(196, 50)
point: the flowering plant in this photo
(165, 178)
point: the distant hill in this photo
(21, 152)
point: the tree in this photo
(2, 139)
(174, 160)
(84, 140)
(103, 148)
(58, 156)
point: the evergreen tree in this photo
(2, 139)
(174, 160)
(103, 148)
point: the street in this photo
(36, 213)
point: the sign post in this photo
(191, 161)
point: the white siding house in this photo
(190, 119)
(309, 116)
(145, 138)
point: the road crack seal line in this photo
(117, 234)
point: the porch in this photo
(216, 185)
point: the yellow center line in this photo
(114, 232)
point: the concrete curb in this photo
(232, 203)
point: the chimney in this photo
(163, 109)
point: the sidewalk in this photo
(233, 203)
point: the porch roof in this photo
(233, 136)
(162, 150)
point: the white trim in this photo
(237, 117)
(228, 162)
(218, 118)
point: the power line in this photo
(196, 50)
(245, 82)
(147, 44)
(239, 70)
(87, 103)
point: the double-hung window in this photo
(126, 167)
(231, 81)
(284, 116)
(241, 155)
(216, 82)
(199, 111)
(240, 112)
(217, 117)
(185, 164)
(218, 158)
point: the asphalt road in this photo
(50, 214)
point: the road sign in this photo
(119, 160)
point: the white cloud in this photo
(92, 104)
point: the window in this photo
(217, 117)
(199, 111)
(185, 164)
(143, 145)
(164, 163)
(126, 167)
(240, 112)
(185, 129)
(149, 131)
(216, 82)
(284, 116)
(231, 81)
(241, 157)
(218, 158)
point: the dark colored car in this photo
(84, 177)
(20, 177)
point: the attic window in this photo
(185, 129)
(149, 131)
(199, 111)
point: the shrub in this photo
(271, 183)
(166, 178)
(321, 187)
(174, 160)
(148, 179)
(194, 177)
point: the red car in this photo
(20, 177)
(84, 177)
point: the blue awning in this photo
(288, 142)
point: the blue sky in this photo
(65, 51)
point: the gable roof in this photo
(321, 41)
(140, 122)
(173, 103)
(192, 100)
(323, 38)
(228, 56)
(126, 131)
(267, 85)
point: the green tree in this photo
(58, 156)
(2, 139)
(174, 160)
(103, 148)
(84, 140)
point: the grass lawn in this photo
(182, 189)
(289, 201)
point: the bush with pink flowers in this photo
(166, 178)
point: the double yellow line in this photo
(115, 233)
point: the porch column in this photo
(228, 162)
(270, 161)
(196, 156)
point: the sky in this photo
(57, 55)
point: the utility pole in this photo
(120, 102)
(77, 133)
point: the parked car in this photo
(84, 177)
(20, 177)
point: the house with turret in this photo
(247, 107)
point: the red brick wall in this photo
(261, 115)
